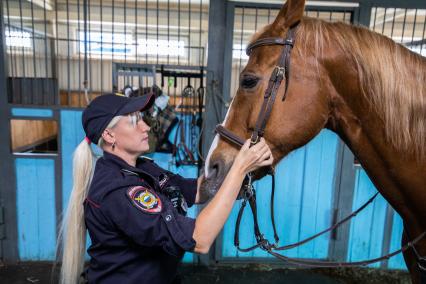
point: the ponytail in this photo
(73, 229)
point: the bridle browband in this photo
(280, 72)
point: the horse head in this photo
(293, 122)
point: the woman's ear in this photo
(108, 136)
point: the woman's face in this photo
(131, 139)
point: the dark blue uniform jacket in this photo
(137, 235)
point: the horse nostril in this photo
(213, 170)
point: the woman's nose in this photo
(143, 126)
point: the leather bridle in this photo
(280, 72)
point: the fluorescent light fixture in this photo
(123, 44)
(18, 39)
(161, 47)
(42, 4)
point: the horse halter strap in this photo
(281, 71)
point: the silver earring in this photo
(113, 145)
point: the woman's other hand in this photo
(252, 158)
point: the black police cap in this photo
(99, 113)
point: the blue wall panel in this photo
(367, 228)
(303, 201)
(396, 262)
(32, 112)
(72, 134)
(35, 197)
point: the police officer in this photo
(134, 210)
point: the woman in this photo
(134, 210)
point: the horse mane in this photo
(392, 78)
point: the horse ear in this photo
(290, 14)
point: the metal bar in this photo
(364, 14)
(90, 81)
(136, 31)
(10, 47)
(219, 62)
(414, 27)
(424, 30)
(241, 40)
(54, 71)
(387, 235)
(23, 54)
(146, 30)
(58, 99)
(344, 184)
(79, 51)
(46, 64)
(189, 33)
(68, 56)
(403, 26)
(58, 173)
(393, 23)
(375, 18)
(9, 244)
(113, 10)
(102, 51)
(34, 53)
(179, 29)
(157, 27)
(125, 30)
(168, 33)
(384, 22)
(255, 19)
(200, 59)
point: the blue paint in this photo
(303, 200)
(396, 262)
(367, 229)
(35, 198)
(72, 134)
(36, 112)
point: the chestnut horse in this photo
(359, 84)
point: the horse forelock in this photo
(391, 77)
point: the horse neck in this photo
(397, 174)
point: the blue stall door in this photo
(35, 199)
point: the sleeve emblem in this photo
(144, 199)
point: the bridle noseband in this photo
(280, 72)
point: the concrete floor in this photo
(40, 273)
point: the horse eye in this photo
(249, 82)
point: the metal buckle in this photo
(278, 73)
(254, 142)
(248, 188)
(289, 42)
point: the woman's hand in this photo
(253, 158)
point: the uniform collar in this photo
(123, 164)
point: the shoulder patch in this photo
(145, 199)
